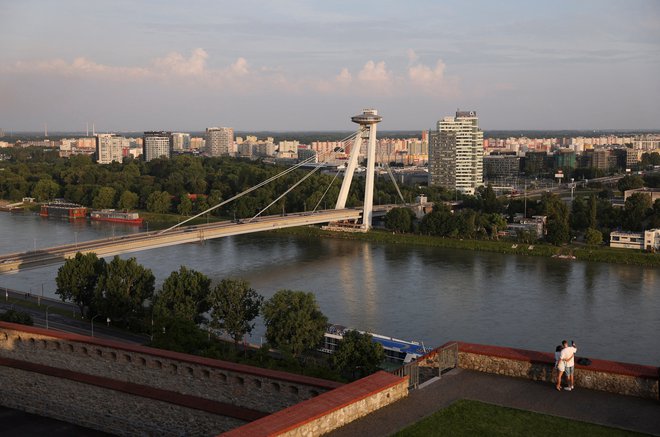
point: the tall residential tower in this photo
(456, 153)
(219, 141)
(156, 144)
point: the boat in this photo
(63, 209)
(110, 215)
(397, 351)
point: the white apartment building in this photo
(110, 147)
(156, 144)
(456, 153)
(219, 141)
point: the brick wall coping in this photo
(209, 362)
(628, 369)
(188, 401)
(322, 405)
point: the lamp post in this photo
(93, 323)
(47, 316)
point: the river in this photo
(427, 294)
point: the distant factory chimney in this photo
(46, 130)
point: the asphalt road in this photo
(43, 317)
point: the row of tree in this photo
(484, 215)
(167, 185)
(123, 291)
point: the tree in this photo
(13, 316)
(357, 355)
(399, 220)
(580, 214)
(128, 200)
(558, 229)
(122, 290)
(234, 306)
(184, 295)
(630, 182)
(158, 202)
(185, 206)
(105, 198)
(593, 212)
(490, 202)
(635, 211)
(293, 321)
(77, 279)
(45, 189)
(593, 237)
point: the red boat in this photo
(110, 215)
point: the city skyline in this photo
(293, 66)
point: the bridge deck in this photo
(14, 262)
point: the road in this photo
(12, 299)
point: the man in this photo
(568, 357)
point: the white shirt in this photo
(569, 352)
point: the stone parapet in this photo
(615, 377)
(330, 410)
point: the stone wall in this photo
(104, 409)
(330, 410)
(241, 385)
(611, 376)
(113, 382)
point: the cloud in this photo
(376, 75)
(174, 63)
(412, 56)
(239, 77)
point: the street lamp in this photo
(93, 323)
(47, 316)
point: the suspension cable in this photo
(285, 193)
(259, 185)
(389, 172)
(326, 191)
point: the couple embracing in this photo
(565, 363)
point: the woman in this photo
(560, 365)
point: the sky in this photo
(130, 65)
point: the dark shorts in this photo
(569, 370)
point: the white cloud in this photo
(375, 74)
(175, 63)
(374, 78)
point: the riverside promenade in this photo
(593, 406)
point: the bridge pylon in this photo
(367, 121)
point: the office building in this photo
(219, 141)
(156, 144)
(110, 147)
(456, 153)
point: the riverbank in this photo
(583, 253)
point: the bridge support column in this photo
(367, 121)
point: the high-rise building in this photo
(110, 147)
(456, 153)
(157, 144)
(180, 141)
(219, 141)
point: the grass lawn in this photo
(472, 418)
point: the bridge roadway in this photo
(14, 262)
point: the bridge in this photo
(360, 218)
(14, 262)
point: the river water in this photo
(427, 294)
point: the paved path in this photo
(618, 411)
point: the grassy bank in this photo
(585, 253)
